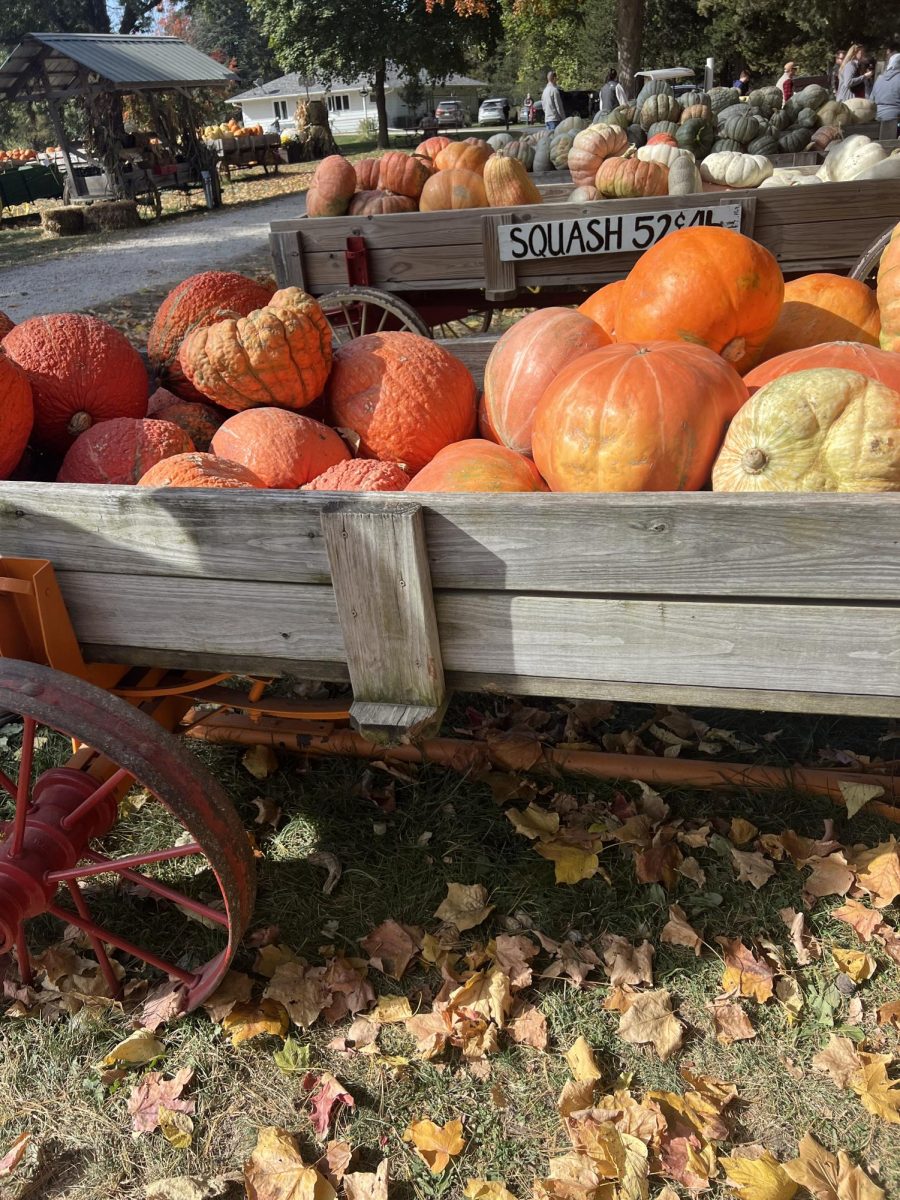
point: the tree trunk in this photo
(381, 106)
(629, 37)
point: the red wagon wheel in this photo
(51, 862)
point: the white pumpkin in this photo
(888, 168)
(660, 152)
(845, 160)
(684, 177)
(731, 168)
(862, 111)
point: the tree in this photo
(71, 16)
(629, 39)
(363, 37)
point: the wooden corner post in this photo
(382, 586)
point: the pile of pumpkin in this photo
(15, 157)
(231, 128)
(659, 382)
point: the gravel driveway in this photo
(154, 257)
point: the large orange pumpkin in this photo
(284, 449)
(6, 324)
(280, 355)
(708, 286)
(16, 414)
(889, 293)
(333, 183)
(360, 475)
(403, 174)
(478, 466)
(199, 471)
(824, 308)
(636, 418)
(506, 183)
(591, 147)
(603, 306)
(81, 371)
(464, 156)
(880, 365)
(377, 203)
(432, 146)
(199, 421)
(197, 301)
(524, 362)
(403, 395)
(627, 178)
(121, 450)
(367, 172)
(451, 189)
(823, 430)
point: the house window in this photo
(281, 109)
(338, 103)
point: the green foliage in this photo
(226, 30)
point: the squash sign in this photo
(607, 235)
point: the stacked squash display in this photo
(659, 382)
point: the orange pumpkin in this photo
(403, 174)
(485, 427)
(16, 414)
(199, 471)
(880, 365)
(367, 172)
(199, 421)
(333, 184)
(121, 450)
(824, 308)
(465, 156)
(889, 293)
(452, 189)
(405, 397)
(478, 466)
(636, 418)
(524, 362)
(360, 475)
(662, 139)
(709, 286)
(6, 324)
(506, 183)
(432, 146)
(283, 449)
(627, 178)
(591, 147)
(377, 203)
(603, 306)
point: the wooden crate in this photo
(825, 228)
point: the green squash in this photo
(792, 107)
(766, 143)
(807, 118)
(636, 135)
(780, 121)
(522, 151)
(623, 116)
(733, 110)
(792, 141)
(542, 161)
(695, 135)
(691, 98)
(767, 99)
(653, 87)
(668, 127)
(741, 129)
(812, 96)
(499, 140)
(571, 125)
(722, 97)
(721, 144)
(658, 108)
(560, 145)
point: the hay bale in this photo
(111, 214)
(63, 221)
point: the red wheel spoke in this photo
(23, 786)
(104, 865)
(112, 939)
(7, 784)
(96, 797)
(24, 958)
(160, 889)
(97, 946)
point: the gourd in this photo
(333, 184)
(16, 414)
(199, 421)
(499, 140)
(834, 112)
(542, 161)
(120, 451)
(766, 144)
(807, 118)
(690, 111)
(367, 171)
(667, 294)
(627, 178)
(846, 159)
(889, 293)
(590, 147)
(464, 156)
(726, 146)
(653, 87)
(823, 136)
(767, 99)
(403, 395)
(660, 107)
(624, 115)
(741, 129)
(477, 465)
(689, 99)
(453, 188)
(525, 361)
(635, 417)
(360, 475)
(824, 308)
(861, 111)
(820, 430)
(199, 471)
(522, 151)
(571, 125)
(81, 371)
(403, 174)
(667, 155)
(283, 449)
(560, 145)
(695, 135)
(812, 96)
(583, 195)
(430, 148)
(880, 365)
(280, 354)
(377, 203)
(735, 169)
(684, 176)
(792, 141)
(603, 306)
(506, 183)
(664, 127)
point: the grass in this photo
(397, 865)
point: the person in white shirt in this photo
(552, 102)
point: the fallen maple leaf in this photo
(691, 869)
(464, 906)
(864, 921)
(389, 1010)
(879, 1094)
(879, 871)
(487, 1189)
(301, 989)
(528, 1027)
(14, 1155)
(805, 947)
(889, 1014)
(840, 1060)
(858, 795)
(571, 863)
(153, 1091)
(334, 1162)
(176, 1127)
(162, 1004)
(731, 1022)
(260, 761)
(790, 996)
(392, 946)
(324, 1091)
(762, 1178)
(689, 1161)
(436, 1144)
(235, 988)
(742, 831)
(513, 954)
(744, 972)
(829, 877)
(678, 931)
(650, 1019)
(276, 1170)
(247, 1021)
(627, 965)
(431, 1032)
(534, 822)
(858, 965)
(138, 1048)
(351, 992)
(829, 1177)
(660, 862)
(580, 1058)
(367, 1185)
(752, 867)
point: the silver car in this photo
(490, 112)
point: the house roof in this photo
(295, 84)
(114, 62)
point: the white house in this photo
(349, 103)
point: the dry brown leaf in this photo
(334, 1162)
(323, 1092)
(301, 989)
(176, 1127)
(163, 1003)
(247, 1021)
(276, 1170)
(864, 921)
(731, 1022)
(153, 1091)
(668, 1193)
(691, 869)
(840, 1060)
(528, 1027)
(650, 1019)
(138, 1048)
(14, 1155)
(487, 1189)
(830, 1177)
(879, 871)
(534, 822)
(659, 863)
(689, 1161)
(431, 1032)
(575, 1097)
(678, 931)
(858, 795)
(744, 972)
(806, 947)
(391, 947)
(879, 1094)
(271, 956)
(695, 839)
(752, 867)
(829, 877)
(464, 906)
(742, 831)
(351, 992)
(858, 965)
(643, 1120)
(580, 1058)
(571, 863)
(513, 954)
(762, 1178)
(436, 1144)
(889, 1014)
(367, 1185)
(625, 964)
(790, 996)
(235, 988)
(389, 1010)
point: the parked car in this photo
(451, 112)
(490, 112)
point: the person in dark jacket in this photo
(612, 94)
(742, 83)
(886, 93)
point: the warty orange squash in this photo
(199, 471)
(122, 450)
(283, 449)
(360, 475)
(16, 414)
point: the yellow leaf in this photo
(829, 1177)
(487, 1189)
(889, 1014)
(367, 1185)
(857, 795)
(247, 1021)
(742, 831)
(177, 1127)
(575, 1097)
(789, 993)
(855, 963)
(276, 1171)
(138, 1048)
(762, 1178)
(650, 1019)
(678, 931)
(464, 906)
(572, 863)
(744, 972)
(879, 1094)
(436, 1145)
(389, 1010)
(879, 871)
(633, 1182)
(260, 761)
(580, 1058)
(534, 822)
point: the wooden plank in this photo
(499, 276)
(473, 351)
(779, 647)
(287, 256)
(382, 588)
(693, 543)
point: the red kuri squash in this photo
(199, 421)
(284, 449)
(478, 466)
(121, 450)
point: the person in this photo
(786, 82)
(553, 103)
(742, 84)
(886, 89)
(506, 114)
(870, 66)
(612, 94)
(276, 126)
(834, 75)
(852, 79)
(893, 56)
(529, 109)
